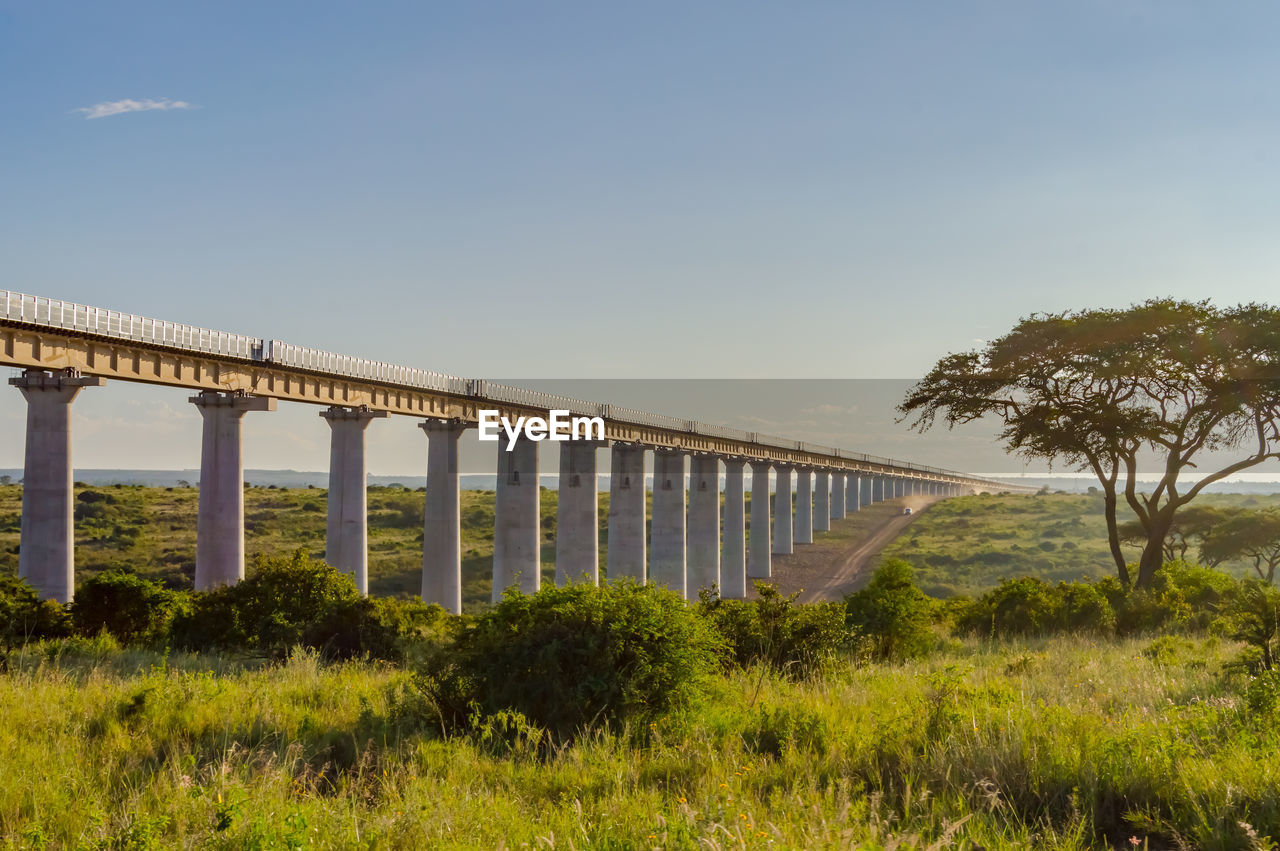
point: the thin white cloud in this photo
(120, 107)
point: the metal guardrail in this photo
(55, 313)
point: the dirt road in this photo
(835, 563)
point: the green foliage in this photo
(1028, 607)
(795, 640)
(25, 617)
(891, 614)
(375, 627)
(570, 658)
(1253, 616)
(133, 609)
(269, 612)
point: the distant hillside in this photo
(967, 544)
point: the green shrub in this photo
(377, 628)
(267, 613)
(570, 658)
(1253, 616)
(25, 617)
(133, 609)
(1084, 608)
(795, 640)
(891, 614)
(773, 731)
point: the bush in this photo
(377, 628)
(25, 617)
(133, 609)
(1253, 616)
(795, 640)
(891, 613)
(570, 658)
(1030, 606)
(269, 612)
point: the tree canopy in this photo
(1098, 390)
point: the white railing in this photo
(37, 310)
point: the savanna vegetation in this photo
(1036, 715)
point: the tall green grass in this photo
(1063, 743)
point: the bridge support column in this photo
(704, 524)
(578, 514)
(733, 555)
(837, 496)
(667, 541)
(517, 520)
(804, 506)
(822, 501)
(759, 561)
(220, 517)
(783, 524)
(346, 538)
(877, 489)
(852, 493)
(626, 513)
(46, 551)
(442, 516)
(865, 484)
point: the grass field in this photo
(1043, 745)
(968, 544)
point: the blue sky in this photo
(657, 190)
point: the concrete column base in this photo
(220, 517)
(804, 506)
(759, 559)
(733, 551)
(703, 559)
(578, 514)
(627, 545)
(46, 549)
(667, 534)
(517, 520)
(442, 516)
(783, 522)
(346, 540)
(822, 501)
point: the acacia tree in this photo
(1253, 535)
(1096, 389)
(1192, 524)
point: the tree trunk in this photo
(1153, 552)
(1113, 536)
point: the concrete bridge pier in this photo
(220, 516)
(667, 536)
(759, 560)
(822, 501)
(703, 563)
(46, 551)
(853, 492)
(783, 524)
(626, 547)
(346, 534)
(733, 553)
(578, 514)
(838, 496)
(804, 506)
(517, 520)
(877, 489)
(442, 516)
